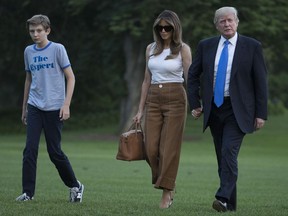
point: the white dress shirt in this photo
(231, 50)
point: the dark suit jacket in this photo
(248, 82)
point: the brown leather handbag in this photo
(131, 144)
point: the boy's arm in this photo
(25, 96)
(70, 78)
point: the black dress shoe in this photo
(230, 207)
(219, 206)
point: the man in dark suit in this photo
(236, 108)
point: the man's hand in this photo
(64, 112)
(196, 113)
(259, 123)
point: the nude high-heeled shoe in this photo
(167, 199)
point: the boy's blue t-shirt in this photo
(47, 90)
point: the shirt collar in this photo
(232, 40)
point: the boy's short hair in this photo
(39, 20)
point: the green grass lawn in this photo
(124, 188)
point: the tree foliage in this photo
(106, 43)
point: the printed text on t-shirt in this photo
(40, 63)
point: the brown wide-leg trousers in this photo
(166, 109)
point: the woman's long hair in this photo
(176, 41)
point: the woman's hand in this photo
(137, 118)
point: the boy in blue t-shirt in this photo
(46, 104)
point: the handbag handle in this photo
(136, 126)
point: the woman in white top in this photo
(164, 98)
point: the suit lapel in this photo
(239, 50)
(211, 57)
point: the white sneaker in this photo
(76, 193)
(219, 206)
(24, 197)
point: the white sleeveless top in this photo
(165, 71)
